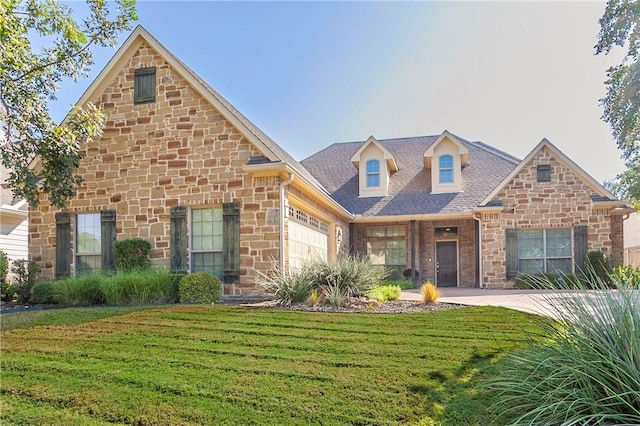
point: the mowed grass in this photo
(183, 365)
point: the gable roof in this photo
(409, 189)
(462, 150)
(580, 173)
(269, 148)
(388, 157)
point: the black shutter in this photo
(580, 248)
(108, 240)
(144, 85)
(231, 241)
(63, 245)
(178, 239)
(512, 253)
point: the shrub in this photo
(384, 293)
(138, 287)
(200, 287)
(287, 287)
(132, 254)
(403, 284)
(430, 293)
(7, 290)
(173, 293)
(585, 371)
(80, 290)
(407, 274)
(628, 275)
(25, 274)
(335, 295)
(355, 276)
(43, 294)
(597, 264)
(314, 297)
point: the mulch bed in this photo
(391, 307)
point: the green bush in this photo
(25, 275)
(584, 370)
(132, 255)
(43, 294)
(7, 290)
(384, 293)
(628, 275)
(200, 287)
(407, 274)
(80, 290)
(287, 287)
(138, 288)
(403, 284)
(551, 280)
(597, 264)
(173, 292)
(355, 276)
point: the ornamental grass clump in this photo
(430, 293)
(286, 287)
(586, 370)
(354, 276)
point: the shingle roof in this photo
(410, 187)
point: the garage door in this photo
(308, 238)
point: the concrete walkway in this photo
(533, 301)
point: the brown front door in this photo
(446, 264)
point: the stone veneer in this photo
(178, 150)
(564, 202)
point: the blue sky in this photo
(313, 73)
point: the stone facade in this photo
(563, 202)
(178, 150)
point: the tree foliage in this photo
(31, 77)
(620, 26)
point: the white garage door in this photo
(308, 239)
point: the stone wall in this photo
(564, 202)
(178, 150)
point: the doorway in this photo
(447, 263)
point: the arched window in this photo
(373, 173)
(446, 168)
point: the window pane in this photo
(376, 252)
(88, 264)
(446, 162)
(88, 233)
(533, 266)
(530, 243)
(559, 265)
(373, 166)
(208, 262)
(559, 243)
(446, 176)
(373, 180)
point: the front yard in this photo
(232, 365)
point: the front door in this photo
(446, 264)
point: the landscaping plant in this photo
(81, 290)
(430, 293)
(43, 294)
(287, 287)
(384, 293)
(132, 254)
(355, 276)
(25, 273)
(200, 287)
(7, 290)
(314, 297)
(587, 372)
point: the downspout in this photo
(282, 215)
(480, 259)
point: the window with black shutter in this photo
(544, 172)
(144, 85)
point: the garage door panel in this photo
(306, 244)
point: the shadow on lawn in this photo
(454, 397)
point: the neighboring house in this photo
(14, 222)
(180, 167)
(632, 240)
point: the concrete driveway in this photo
(532, 301)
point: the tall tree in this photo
(620, 26)
(30, 78)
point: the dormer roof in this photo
(387, 155)
(446, 136)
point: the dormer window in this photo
(446, 168)
(373, 174)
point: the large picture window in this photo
(544, 250)
(387, 247)
(88, 243)
(207, 241)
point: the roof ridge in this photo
(496, 151)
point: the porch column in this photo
(413, 252)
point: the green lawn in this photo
(230, 365)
